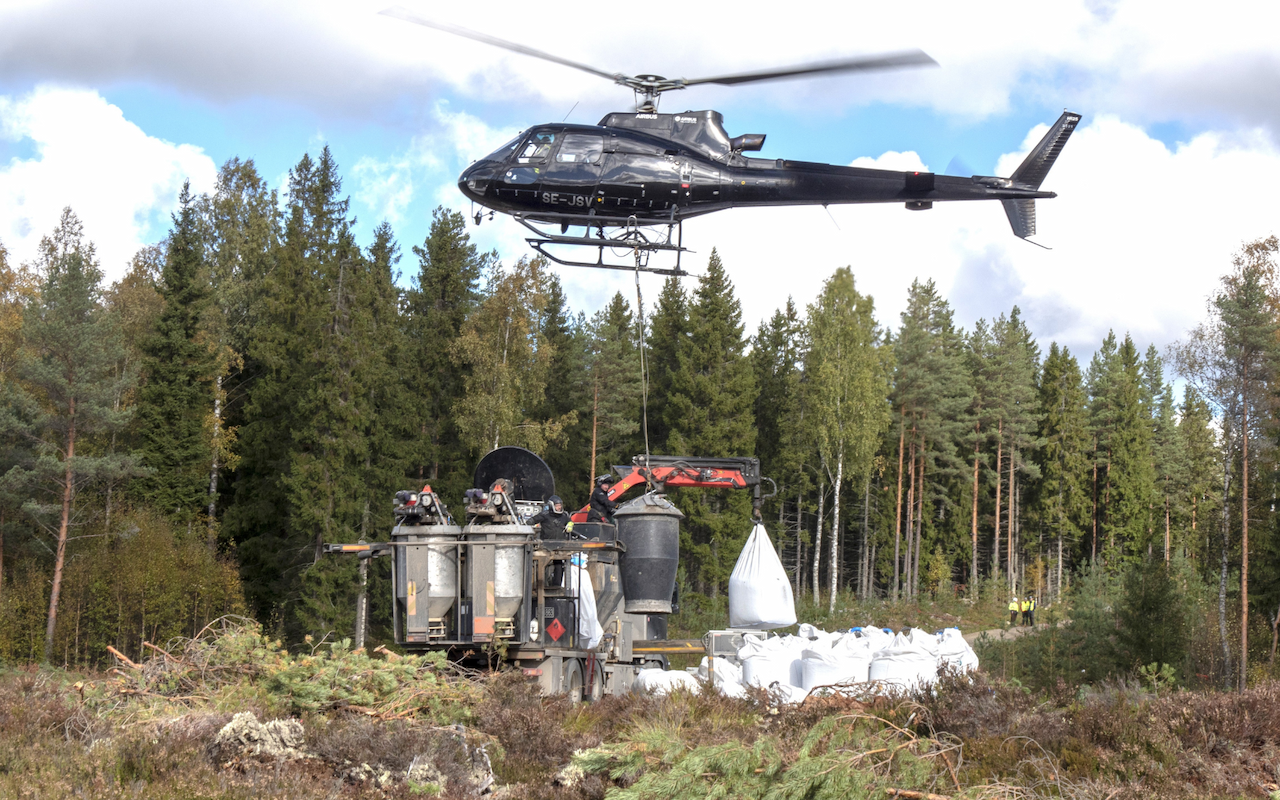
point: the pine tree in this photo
(176, 399)
(848, 372)
(979, 361)
(931, 391)
(709, 413)
(1013, 402)
(67, 391)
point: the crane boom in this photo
(687, 472)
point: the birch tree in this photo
(849, 385)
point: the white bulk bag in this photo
(776, 659)
(661, 682)
(955, 652)
(876, 637)
(759, 590)
(830, 667)
(578, 580)
(904, 664)
(725, 676)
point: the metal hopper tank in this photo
(649, 527)
(427, 586)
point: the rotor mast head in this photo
(648, 89)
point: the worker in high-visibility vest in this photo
(1026, 610)
(1013, 611)
(1029, 612)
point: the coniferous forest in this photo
(179, 444)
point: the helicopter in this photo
(630, 181)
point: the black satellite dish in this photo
(530, 476)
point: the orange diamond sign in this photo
(555, 630)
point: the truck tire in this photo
(573, 679)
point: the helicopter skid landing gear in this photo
(629, 241)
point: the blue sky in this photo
(109, 108)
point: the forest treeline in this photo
(179, 444)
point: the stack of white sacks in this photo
(792, 666)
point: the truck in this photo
(486, 587)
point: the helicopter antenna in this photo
(648, 88)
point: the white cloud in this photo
(119, 181)
(1135, 58)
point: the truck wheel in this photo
(573, 679)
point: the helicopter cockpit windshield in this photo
(503, 153)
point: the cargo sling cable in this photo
(644, 375)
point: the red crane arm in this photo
(683, 474)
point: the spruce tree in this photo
(777, 356)
(443, 294)
(176, 399)
(1062, 502)
(567, 390)
(613, 406)
(1199, 495)
(667, 342)
(709, 413)
(1164, 444)
(1101, 382)
(1131, 518)
(240, 227)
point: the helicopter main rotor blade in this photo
(907, 58)
(400, 12)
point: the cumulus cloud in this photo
(120, 182)
(1133, 58)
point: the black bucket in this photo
(649, 527)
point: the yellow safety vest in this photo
(1013, 605)
(1026, 605)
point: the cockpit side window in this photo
(580, 148)
(537, 148)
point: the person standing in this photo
(552, 520)
(1013, 611)
(1031, 611)
(602, 507)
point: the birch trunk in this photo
(835, 533)
(817, 542)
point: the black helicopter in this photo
(632, 180)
